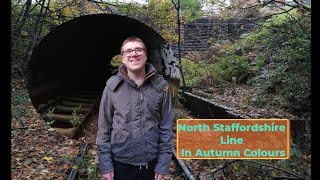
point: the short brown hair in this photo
(130, 39)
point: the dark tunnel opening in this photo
(76, 55)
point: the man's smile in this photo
(134, 60)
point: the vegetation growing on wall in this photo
(284, 43)
(275, 59)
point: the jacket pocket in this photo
(152, 98)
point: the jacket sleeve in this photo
(165, 128)
(104, 132)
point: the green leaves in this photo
(284, 45)
(76, 117)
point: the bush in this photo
(231, 66)
(19, 97)
(196, 74)
(283, 44)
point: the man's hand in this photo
(107, 176)
(159, 176)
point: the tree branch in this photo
(296, 176)
(274, 167)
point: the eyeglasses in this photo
(138, 51)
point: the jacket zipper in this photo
(141, 112)
(141, 96)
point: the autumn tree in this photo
(32, 20)
(27, 27)
(190, 10)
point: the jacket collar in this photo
(122, 73)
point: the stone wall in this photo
(195, 36)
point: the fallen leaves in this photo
(37, 152)
(48, 158)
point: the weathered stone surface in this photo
(196, 35)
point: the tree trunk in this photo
(17, 33)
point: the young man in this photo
(134, 136)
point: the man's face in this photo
(134, 60)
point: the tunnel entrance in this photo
(76, 55)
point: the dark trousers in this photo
(124, 171)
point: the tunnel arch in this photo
(76, 55)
